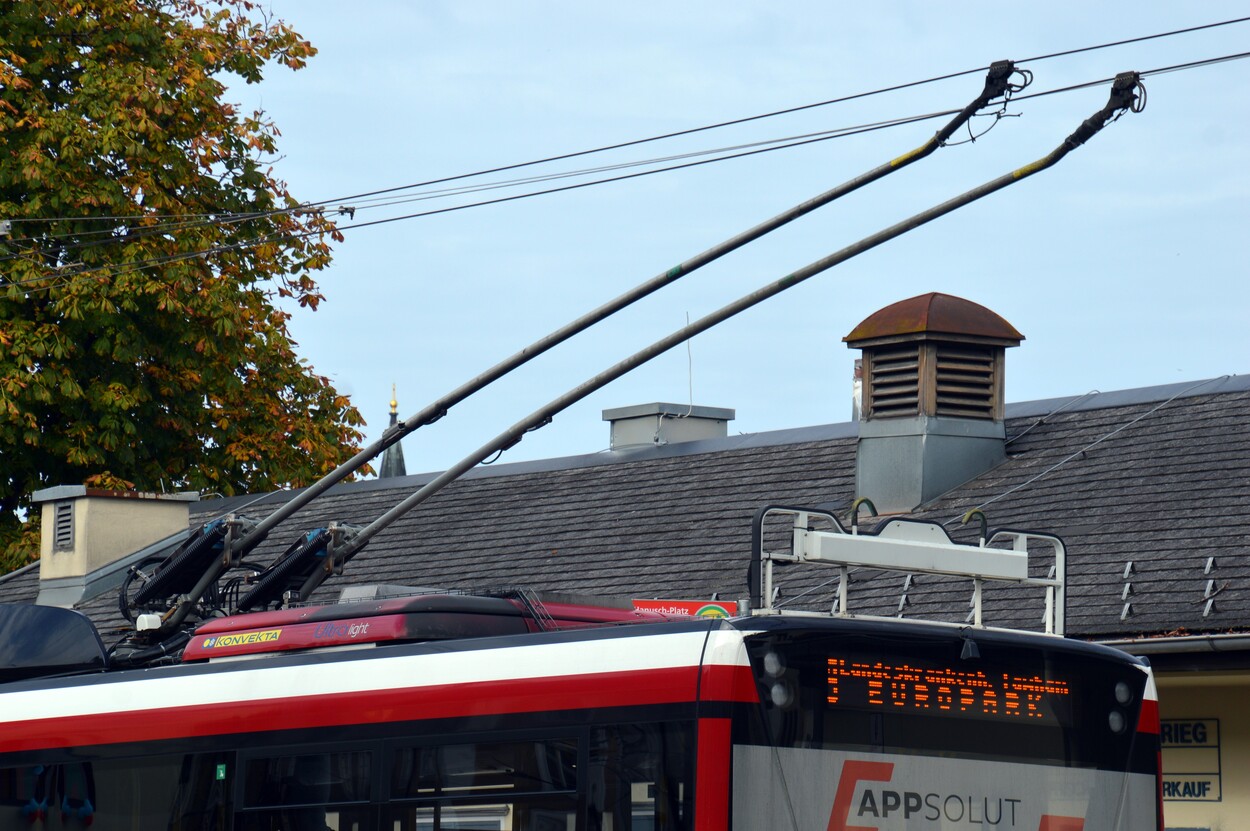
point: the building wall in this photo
(1206, 754)
(106, 525)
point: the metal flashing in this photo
(67, 592)
(664, 409)
(60, 492)
(1097, 400)
(743, 441)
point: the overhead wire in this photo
(1140, 39)
(104, 272)
(1090, 446)
(678, 133)
(65, 275)
(225, 217)
(786, 111)
(380, 202)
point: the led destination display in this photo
(872, 690)
(935, 689)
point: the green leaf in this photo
(114, 338)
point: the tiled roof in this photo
(20, 586)
(1159, 477)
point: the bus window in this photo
(308, 792)
(641, 777)
(636, 777)
(105, 794)
(489, 767)
(203, 799)
(519, 785)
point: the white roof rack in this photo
(912, 547)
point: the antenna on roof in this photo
(1001, 82)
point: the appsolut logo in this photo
(887, 805)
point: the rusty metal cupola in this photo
(932, 405)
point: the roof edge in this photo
(1093, 400)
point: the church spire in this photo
(393, 456)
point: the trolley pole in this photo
(1123, 97)
(998, 84)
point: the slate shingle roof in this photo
(20, 586)
(1140, 476)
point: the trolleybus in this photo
(450, 711)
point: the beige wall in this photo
(106, 527)
(1187, 700)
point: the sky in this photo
(1124, 266)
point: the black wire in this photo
(799, 143)
(1135, 40)
(662, 136)
(159, 230)
(105, 272)
(786, 111)
(556, 158)
(694, 130)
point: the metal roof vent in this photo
(932, 397)
(655, 425)
(934, 355)
(63, 526)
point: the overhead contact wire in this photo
(107, 271)
(692, 130)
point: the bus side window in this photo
(641, 777)
(104, 794)
(202, 801)
(521, 785)
(25, 794)
(307, 792)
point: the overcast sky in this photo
(1124, 266)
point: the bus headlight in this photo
(1116, 721)
(774, 665)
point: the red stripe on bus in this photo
(721, 682)
(711, 793)
(1053, 823)
(1148, 719)
(524, 695)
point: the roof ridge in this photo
(1094, 400)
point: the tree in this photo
(152, 258)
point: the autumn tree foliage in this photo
(151, 257)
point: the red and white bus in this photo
(469, 712)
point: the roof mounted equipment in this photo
(907, 546)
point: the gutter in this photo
(1185, 644)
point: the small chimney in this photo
(86, 531)
(654, 425)
(932, 400)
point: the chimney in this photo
(655, 425)
(86, 533)
(932, 406)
